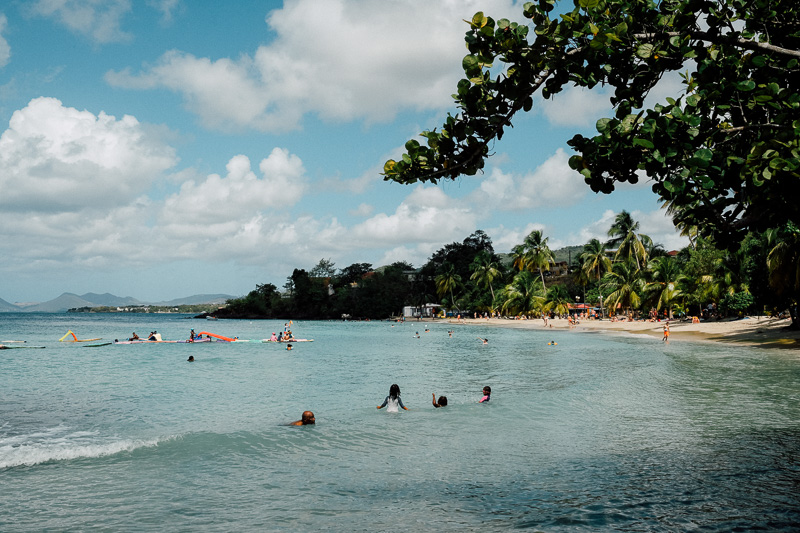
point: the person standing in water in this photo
(393, 400)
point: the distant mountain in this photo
(69, 301)
(199, 299)
(109, 300)
(6, 307)
(60, 305)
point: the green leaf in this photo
(602, 125)
(645, 51)
(644, 143)
(479, 20)
(589, 4)
(746, 85)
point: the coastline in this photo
(762, 332)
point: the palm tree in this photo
(629, 243)
(535, 254)
(667, 277)
(595, 260)
(447, 281)
(783, 262)
(524, 295)
(484, 271)
(626, 286)
(558, 300)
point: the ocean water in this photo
(596, 433)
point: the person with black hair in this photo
(393, 400)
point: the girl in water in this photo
(393, 400)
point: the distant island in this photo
(190, 309)
(109, 303)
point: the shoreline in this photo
(762, 332)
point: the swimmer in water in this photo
(485, 341)
(487, 394)
(393, 400)
(307, 420)
(442, 401)
(191, 359)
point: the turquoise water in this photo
(597, 433)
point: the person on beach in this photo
(393, 400)
(666, 333)
(442, 401)
(307, 419)
(487, 394)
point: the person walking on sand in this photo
(666, 333)
(393, 401)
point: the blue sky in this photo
(163, 148)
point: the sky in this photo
(165, 148)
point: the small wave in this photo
(58, 445)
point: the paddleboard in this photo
(4, 347)
(96, 345)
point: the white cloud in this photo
(226, 200)
(97, 19)
(5, 49)
(363, 210)
(577, 106)
(551, 184)
(56, 157)
(166, 8)
(343, 60)
(426, 215)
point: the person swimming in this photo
(487, 394)
(442, 401)
(191, 359)
(393, 400)
(307, 420)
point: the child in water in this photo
(487, 394)
(442, 401)
(393, 400)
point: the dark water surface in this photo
(598, 433)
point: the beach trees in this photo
(595, 260)
(524, 295)
(783, 262)
(558, 300)
(722, 152)
(625, 286)
(448, 281)
(533, 254)
(629, 245)
(485, 271)
(666, 278)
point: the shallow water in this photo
(596, 433)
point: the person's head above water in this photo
(442, 401)
(487, 390)
(306, 420)
(394, 390)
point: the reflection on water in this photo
(595, 433)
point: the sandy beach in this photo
(753, 331)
